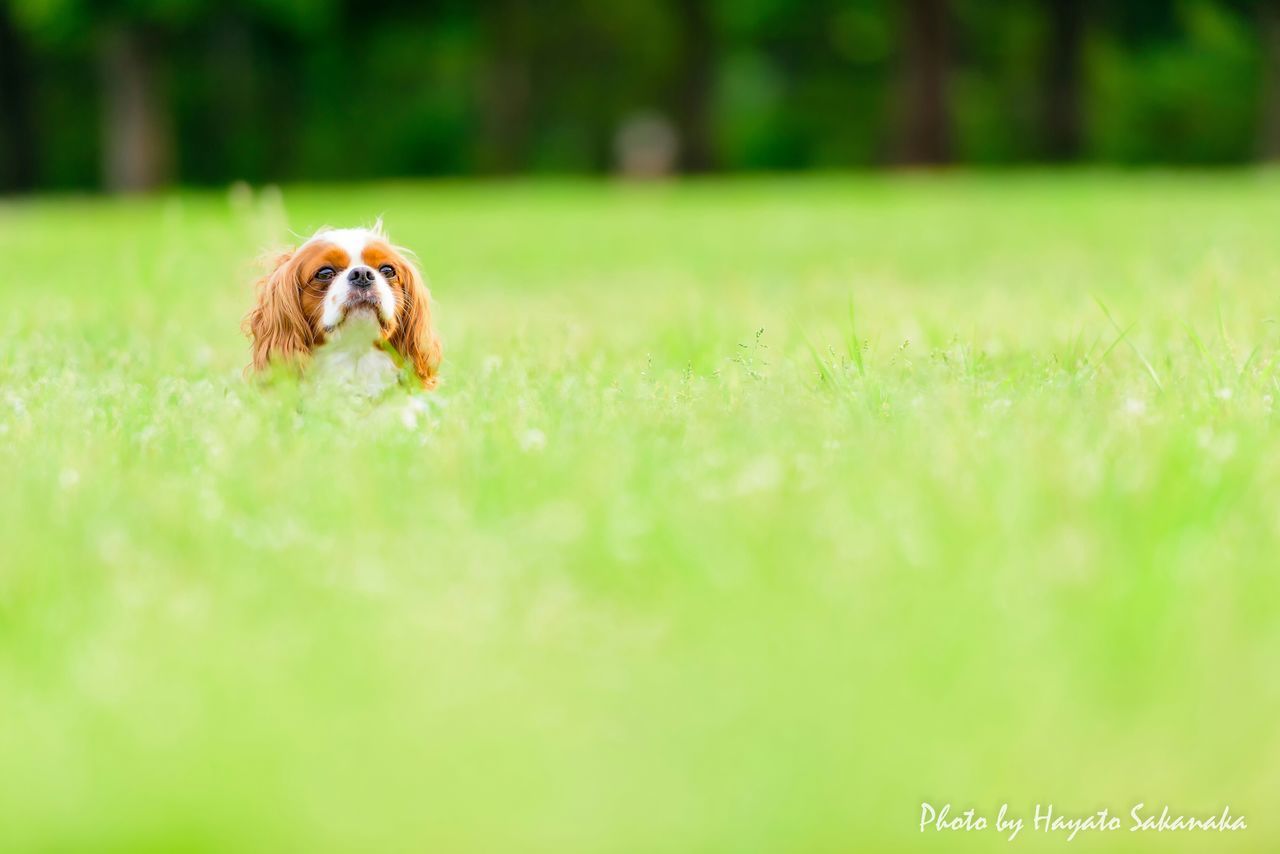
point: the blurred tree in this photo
(206, 91)
(1269, 120)
(925, 66)
(1174, 82)
(507, 85)
(125, 41)
(997, 95)
(695, 60)
(217, 93)
(18, 130)
(138, 146)
(134, 46)
(1063, 79)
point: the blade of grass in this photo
(824, 371)
(851, 341)
(1155, 378)
(1112, 346)
(1249, 361)
(1210, 364)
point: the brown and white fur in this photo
(346, 308)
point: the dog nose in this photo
(361, 277)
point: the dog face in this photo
(336, 275)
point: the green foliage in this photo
(749, 514)
(328, 89)
(67, 19)
(1192, 98)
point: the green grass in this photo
(751, 515)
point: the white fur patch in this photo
(349, 363)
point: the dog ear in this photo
(415, 338)
(277, 325)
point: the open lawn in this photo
(749, 515)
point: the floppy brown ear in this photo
(277, 326)
(415, 338)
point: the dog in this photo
(346, 309)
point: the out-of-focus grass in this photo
(687, 555)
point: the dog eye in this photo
(324, 274)
(388, 271)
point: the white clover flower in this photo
(763, 475)
(532, 439)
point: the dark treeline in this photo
(131, 94)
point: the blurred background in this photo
(129, 95)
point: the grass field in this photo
(749, 516)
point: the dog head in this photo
(337, 275)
